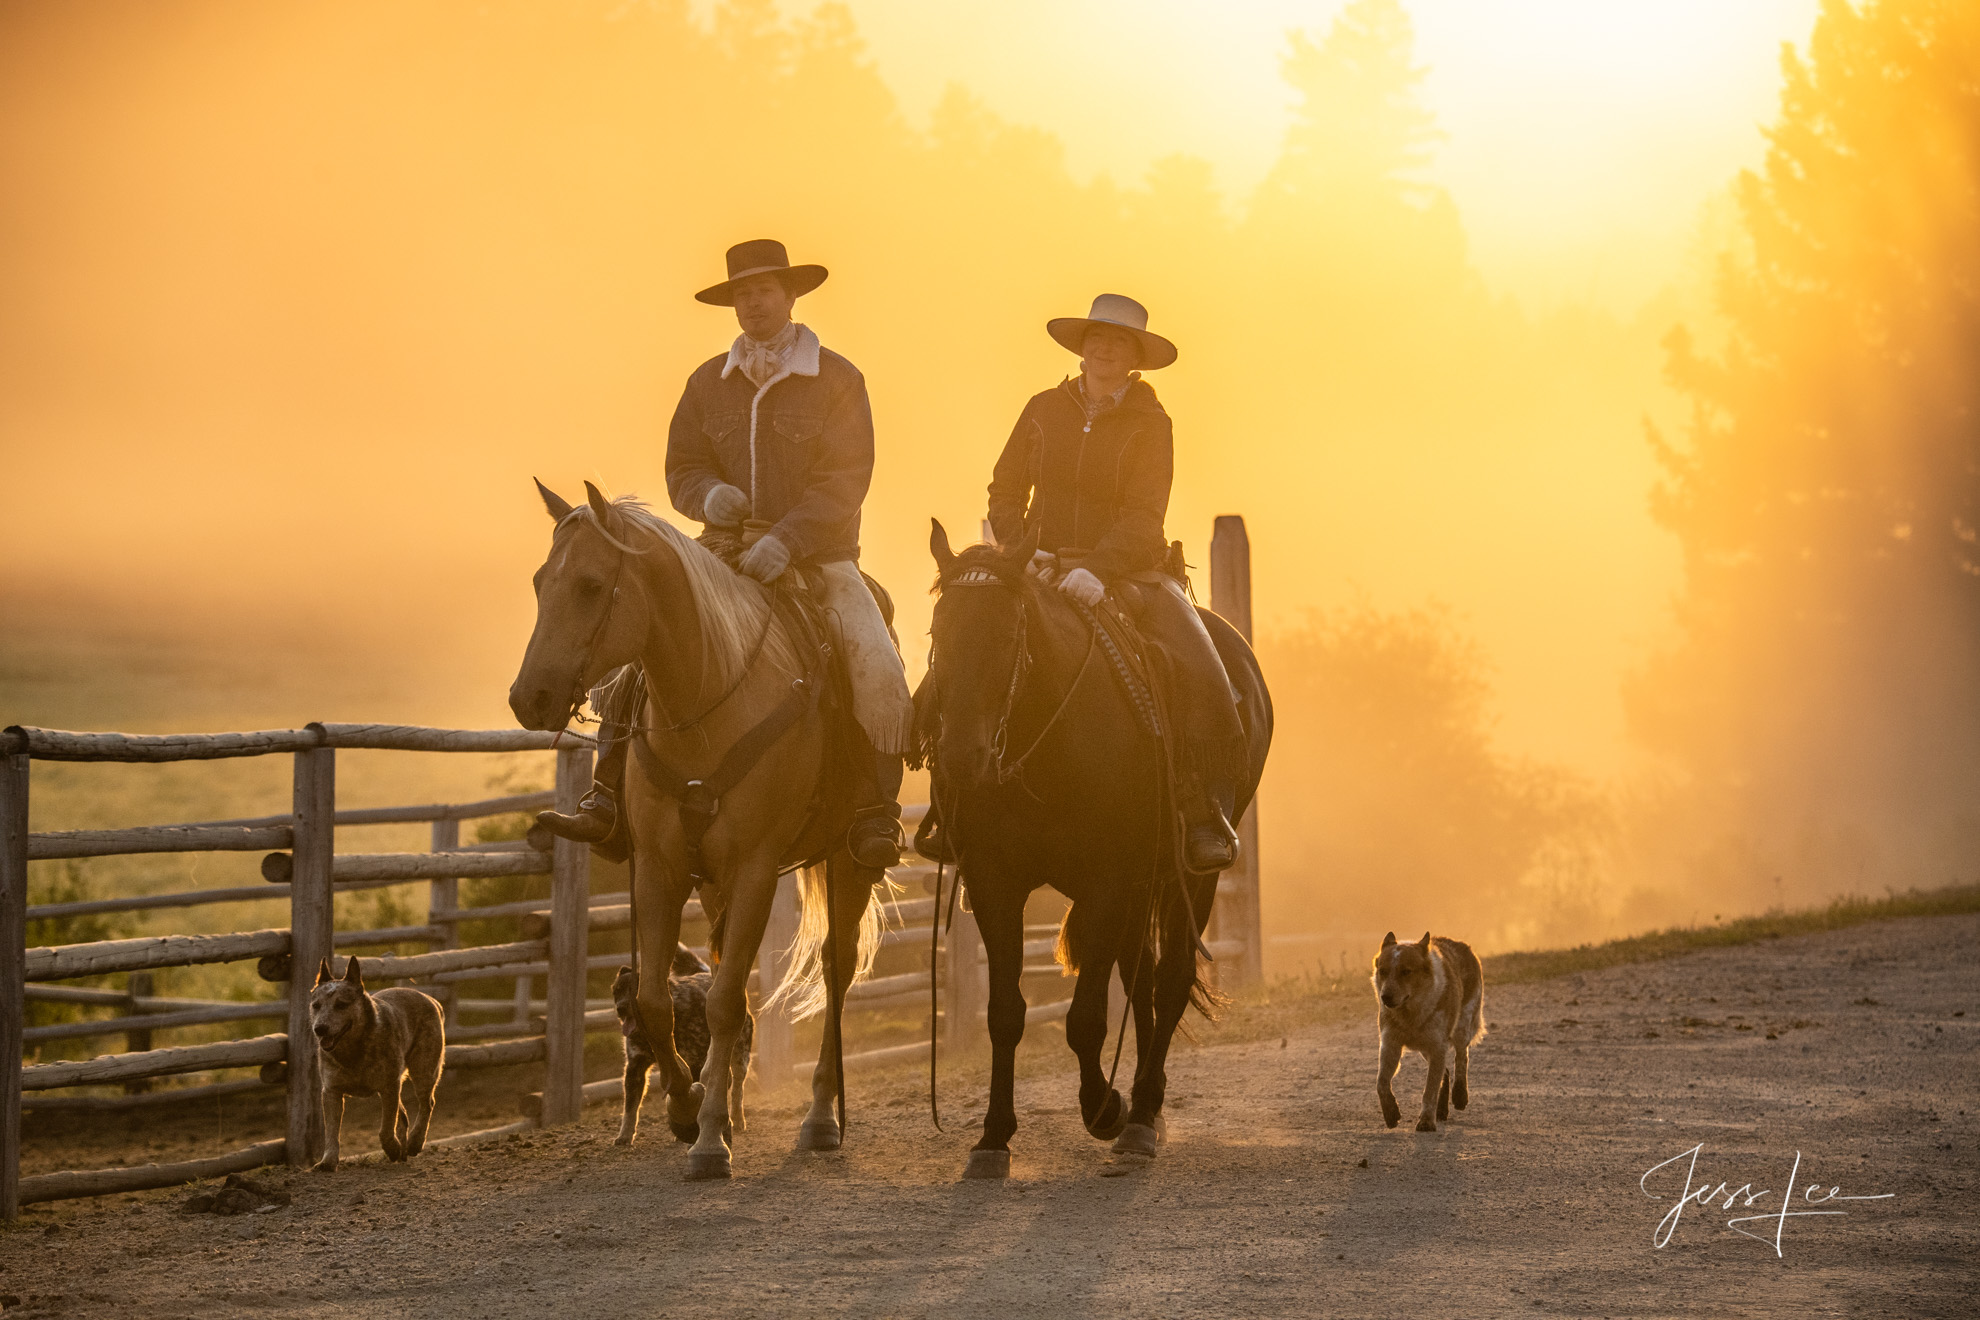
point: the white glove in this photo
(766, 560)
(1083, 587)
(1040, 566)
(724, 506)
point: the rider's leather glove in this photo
(1041, 564)
(1083, 587)
(766, 560)
(724, 506)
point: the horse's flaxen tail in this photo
(802, 991)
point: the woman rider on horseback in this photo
(1088, 468)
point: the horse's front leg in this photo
(852, 889)
(1000, 918)
(659, 933)
(750, 888)
(1100, 1105)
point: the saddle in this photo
(825, 686)
(1116, 625)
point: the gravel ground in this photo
(1278, 1194)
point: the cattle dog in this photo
(368, 1044)
(689, 982)
(1431, 999)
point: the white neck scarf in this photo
(763, 359)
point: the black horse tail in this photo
(1078, 941)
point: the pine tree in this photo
(1827, 492)
(1359, 129)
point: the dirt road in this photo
(1279, 1194)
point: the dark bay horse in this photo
(622, 585)
(1043, 775)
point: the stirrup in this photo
(933, 840)
(1210, 845)
(875, 838)
(594, 822)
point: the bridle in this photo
(1006, 769)
(581, 691)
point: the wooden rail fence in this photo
(303, 866)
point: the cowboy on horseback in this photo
(1087, 470)
(773, 441)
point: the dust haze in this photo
(298, 299)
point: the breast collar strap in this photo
(700, 799)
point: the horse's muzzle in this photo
(968, 767)
(536, 708)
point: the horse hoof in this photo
(707, 1165)
(1137, 1139)
(1113, 1117)
(818, 1134)
(685, 1133)
(988, 1164)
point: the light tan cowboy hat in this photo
(1122, 313)
(761, 256)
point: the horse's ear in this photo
(559, 506)
(351, 974)
(1426, 939)
(1388, 939)
(938, 545)
(323, 973)
(1026, 549)
(608, 517)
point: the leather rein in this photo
(1007, 770)
(700, 799)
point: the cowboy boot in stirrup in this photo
(1210, 845)
(598, 820)
(1209, 842)
(593, 822)
(875, 837)
(934, 840)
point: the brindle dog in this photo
(367, 1044)
(1432, 1000)
(689, 986)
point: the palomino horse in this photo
(622, 585)
(1044, 775)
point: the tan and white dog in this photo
(1432, 1000)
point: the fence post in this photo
(1240, 916)
(310, 923)
(776, 1048)
(140, 986)
(13, 982)
(444, 896)
(965, 992)
(570, 943)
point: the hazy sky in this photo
(371, 250)
(1582, 135)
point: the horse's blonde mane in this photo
(730, 606)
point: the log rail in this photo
(302, 867)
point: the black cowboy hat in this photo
(761, 256)
(1121, 312)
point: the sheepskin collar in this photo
(793, 352)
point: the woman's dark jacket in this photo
(814, 452)
(1099, 488)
